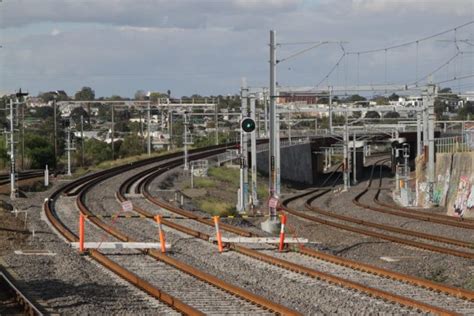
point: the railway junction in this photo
(359, 217)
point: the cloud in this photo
(206, 46)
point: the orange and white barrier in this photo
(161, 234)
(282, 232)
(218, 234)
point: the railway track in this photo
(181, 286)
(429, 242)
(5, 178)
(312, 260)
(14, 300)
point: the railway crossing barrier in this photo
(83, 245)
(281, 241)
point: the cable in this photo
(301, 52)
(437, 69)
(411, 42)
(332, 70)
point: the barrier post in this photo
(218, 234)
(282, 233)
(161, 233)
(81, 233)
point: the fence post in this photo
(161, 234)
(218, 234)
(81, 233)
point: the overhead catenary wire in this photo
(410, 42)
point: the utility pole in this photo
(273, 126)
(330, 109)
(216, 124)
(419, 145)
(265, 109)
(354, 157)
(346, 160)
(113, 132)
(55, 135)
(82, 141)
(69, 149)
(425, 127)
(22, 137)
(253, 151)
(171, 130)
(149, 129)
(289, 125)
(432, 91)
(186, 164)
(12, 155)
(243, 190)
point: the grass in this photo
(118, 162)
(214, 207)
(229, 175)
(201, 182)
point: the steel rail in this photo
(229, 288)
(144, 183)
(111, 265)
(29, 306)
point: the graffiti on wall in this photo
(441, 188)
(463, 196)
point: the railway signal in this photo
(248, 125)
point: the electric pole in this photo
(354, 157)
(12, 155)
(216, 124)
(253, 151)
(149, 129)
(186, 164)
(113, 132)
(346, 159)
(330, 109)
(82, 141)
(432, 91)
(55, 134)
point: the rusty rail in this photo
(144, 183)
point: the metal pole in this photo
(171, 130)
(346, 160)
(149, 129)
(216, 125)
(186, 166)
(12, 155)
(277, 152)
(418, 133)
(330, 109)
(69, 149)
(253, 151)
(113, 132)
(425, 127)
(289, 125)
(432, 91)
(265, 109)
(22, 137)
(245, 153)
(82, 140)
(354, 157)
(55, 124)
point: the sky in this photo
(206, 47)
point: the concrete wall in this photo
(296, 163)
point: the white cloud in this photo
(55, 32)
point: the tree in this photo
(140, 95)
(391, 114)
(96, 151)
(355, 98)
(467, 109)
(380, 100)
(85, 94)
(132, 145)
(393, 97)
(44, 112)
(77, 113)
(39, 150)
(372, 114)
